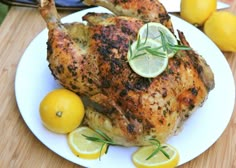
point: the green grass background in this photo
(3, 11)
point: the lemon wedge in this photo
(153, 30)
(146, 64)
(157, 161)
(84, 148)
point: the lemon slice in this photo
(152, 30)
(84, 148)
(157, 161)
(146, 64)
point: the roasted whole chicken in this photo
(91, 60)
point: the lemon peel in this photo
(221, 29)
(61, 111)
(197, 11)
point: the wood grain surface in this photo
(20, 148)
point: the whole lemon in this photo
(221, 28)
(61, 111)
(197, 11)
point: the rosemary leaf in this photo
(178, 47)
(163, 41)
(100, 152)
(146, 34)
(164, 152)
(104, 135)
(153, 153)
(95, 139)
(138, 42)
(130, 49)
(135, 56)
(156, 53)
(159, 148)
(108, 146)
(143, 48)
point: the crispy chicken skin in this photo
(91, 60)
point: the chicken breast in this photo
(91, 60)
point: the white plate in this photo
(174, 5)
(34, 80)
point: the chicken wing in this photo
(146, 10)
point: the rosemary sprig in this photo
(159, 148)
(142, 48)
(168, 47)
(104, 139)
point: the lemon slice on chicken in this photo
(154, 30)
(148, 62)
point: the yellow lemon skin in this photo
(61, 111)
(197, 11)
(221, 29)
